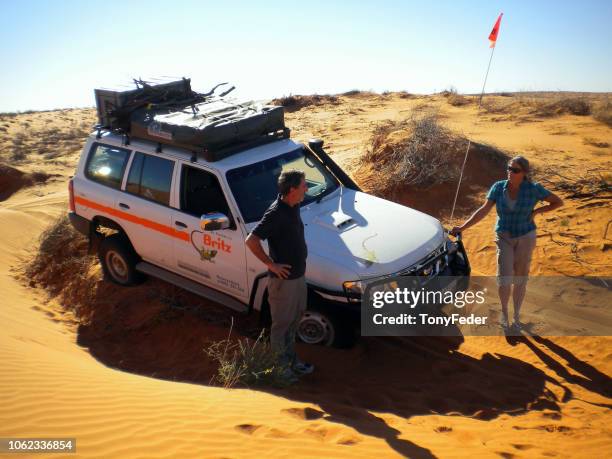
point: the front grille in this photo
(431, 265)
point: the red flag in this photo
(495, 31)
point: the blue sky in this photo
(55, 52)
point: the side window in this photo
(106, 165)
(201, 193)
(151, 178)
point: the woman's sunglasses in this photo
(515, 170)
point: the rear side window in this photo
(106, 165)
(201, 193)
(151, 178)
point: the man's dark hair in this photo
(289, 179)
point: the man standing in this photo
(282, 226)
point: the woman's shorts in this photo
(514, 257)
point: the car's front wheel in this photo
(321, 326)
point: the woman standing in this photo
(514, 200)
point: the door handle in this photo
(124, 206)
(180, 224)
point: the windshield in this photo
(255, 186)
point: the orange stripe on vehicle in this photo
(134, 219)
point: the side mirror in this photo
(214, 221)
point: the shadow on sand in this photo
(162, 333)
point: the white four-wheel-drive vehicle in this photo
(182, 215)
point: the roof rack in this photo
(210, 155)
(173, 114)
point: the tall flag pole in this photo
(493, 40)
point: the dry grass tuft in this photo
(414, 152)
(417, 162)
(566, 105)
(247, 362)
(603, 113)
(588, 184)
(48, 142)
(457, 100)
(526, 107)
(295, 103)
(62, 264)
(454, 98)
(352, 92)
(497, 107)
(595, 143)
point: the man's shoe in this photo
(303, 368)
(504, 323)
(289, 376)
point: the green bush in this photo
(248, 363)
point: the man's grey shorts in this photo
(514, 257)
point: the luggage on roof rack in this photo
(173, 114)
(115, 106)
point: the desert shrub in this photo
(603, 113)
(61, 259)
(454, 98)
(18, 153)
(588, 183)
(415, 152)
(420, 154)
(457, 100)
(19, 149)
(566, 105)
(294, 103)
(352, 92)
(595, 143)
(247, 362)
(496, 107)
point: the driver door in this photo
(214, 258)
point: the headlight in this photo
(353, 288)
(451, 247)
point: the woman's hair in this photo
(524, 164)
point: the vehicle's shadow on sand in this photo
(405, 377)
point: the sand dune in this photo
(132, 381)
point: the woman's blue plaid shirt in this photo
(516, 221)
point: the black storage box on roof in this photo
(175, 115)
(115, 106)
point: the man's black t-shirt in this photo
(282, 226)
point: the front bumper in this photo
(449, 263)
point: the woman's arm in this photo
(554, 203)
(475, 218)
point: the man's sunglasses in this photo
(515, 170)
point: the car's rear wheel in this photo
(118, 260)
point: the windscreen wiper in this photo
(318, 200)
